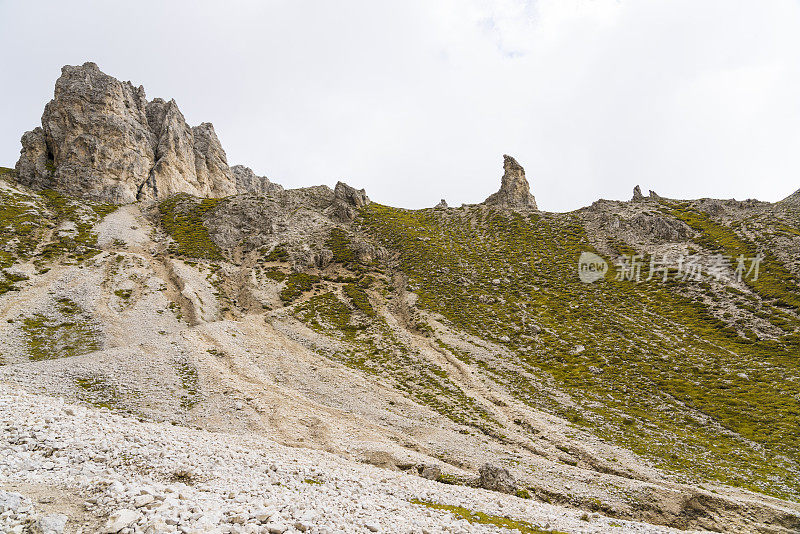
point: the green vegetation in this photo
(375, 349)
(22, 223)
(774, 280)
(124, 294)
(359, 298)
(275, 274)
(658, 372)
(480, 518)
(339, 243)
(296, 285)
(77, 243)
(98, 392)
(67, 333)
(9, 279)
(278, 253)
(190, 383)
(182, 218)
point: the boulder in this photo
(442, 204)
(637, 193)
(101, 139)
(51, 524)
(515, 192)
(120, 519)
(496, 478)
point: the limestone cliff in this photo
(101, 139)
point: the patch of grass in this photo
(182, 218)
(67, 333)
(190, 383)
(480, 518)
(98, 392)
(275, 274)
(278, 253)
(340, 244)
(296, 285)
(360, 299)
(124, 294)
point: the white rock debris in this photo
(139, 477)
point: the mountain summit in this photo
(101, 139)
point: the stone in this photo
(442, 204)
(653, 194)
(496, 478)
(431, 472)
(637, 193)
(10, 501)
(120, 519)
(347, 201)
(101, 139)
(514, 190)
(142, 500)
(248, 182)
(51, 524)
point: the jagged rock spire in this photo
(101, 139)
(515, 192)
(637, 193)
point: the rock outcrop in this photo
(791, 200)
(442, 204)
(248, 182)
(496, 478)
(637, 193)
(101, 139)
(347, 201)
(515, 192)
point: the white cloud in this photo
(419, 100)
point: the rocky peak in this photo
(637, 193)
(514, 190)
(101, 139)
(792, 200)
(248, 182)
(347, 200)
(442, 204)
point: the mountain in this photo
(627, 361)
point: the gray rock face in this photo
(347, 200)
(637, 193)
(515, 192)
(792, 200)
(496, 478)
(442, 204)
(101, 139)
(248, 182)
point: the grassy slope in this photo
(676, 385)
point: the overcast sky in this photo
(419, 100)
